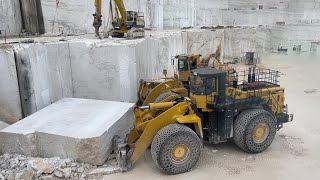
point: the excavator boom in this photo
(122, 10)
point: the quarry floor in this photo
(294, 153)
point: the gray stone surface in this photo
(10, 106)
(204, 42)
(10, 17)
(70, 128)
(30, 15)
(44, 74)
(3, 125)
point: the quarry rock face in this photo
(44, 74)
(70, 128)
(206, 42)
(10, 17)
(10, 106)
(3, 125)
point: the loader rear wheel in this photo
(176, 149)
(254, 130)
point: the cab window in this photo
(202, 86)
(193, 64)
(183, 65)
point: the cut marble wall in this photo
(108, 69)
(238, 41)
(161, 48)
(113, 70)
(204, 42)
(44, 74)
(266, 40)
(74, 17)
(163, 14)
(103, 71)
(10, 106)
(10, 17)
(69, 17)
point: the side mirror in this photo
(172, 61)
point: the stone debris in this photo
(105, 171)
(311, 91)
(19, 167)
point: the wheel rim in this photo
(180, 153)
(260, 132)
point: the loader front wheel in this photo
(176, 149)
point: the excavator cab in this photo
(135, 19)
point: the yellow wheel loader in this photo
(249, 111)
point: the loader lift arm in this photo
(148, 123)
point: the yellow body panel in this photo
(192, 119)
(274, 96)
(201, 101)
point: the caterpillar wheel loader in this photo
(249, 111)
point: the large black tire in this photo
(165, 144)
(246, 128)
(162, 97)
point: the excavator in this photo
(250, 111)
(123, 22)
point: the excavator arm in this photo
(97, 22)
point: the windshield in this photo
(193, 64)
(183, 65)
(202, 86)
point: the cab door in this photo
(184, 70)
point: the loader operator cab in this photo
(207, 87)
(186, 63)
